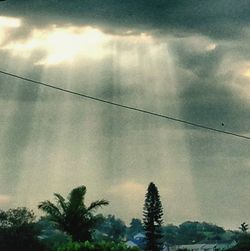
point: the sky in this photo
(184, 59)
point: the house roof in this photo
(191, 246)
(140, 235)
(202, 245)
(131, 244)
(217, 242)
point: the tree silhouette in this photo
(135, 228)
(73, 216)
(110, 229)
(152, 219)
(244, 227)
(18, 230)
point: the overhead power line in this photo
(123, 106)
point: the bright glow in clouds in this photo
(242, 68)
(246, 72)
(211, 47)
(7, 23)
(62, 44)
(245, 84)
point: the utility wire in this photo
(124, 106)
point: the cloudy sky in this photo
(185, 59)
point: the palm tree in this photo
(73, 216)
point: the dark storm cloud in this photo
(220, 19)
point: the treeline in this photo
(193, 232)
(68, 225)
(21, 230)
(189, 232)
(71, 225)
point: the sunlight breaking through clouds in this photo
(58, 140)
(62, 45)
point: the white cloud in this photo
(9, 22)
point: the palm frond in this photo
(96, 204)
(76, 197)
(50, 209)
(61, 201)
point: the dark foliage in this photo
(49, 235)
(171, 234)
(110, 229)
(243, 243)
(244, 227)
(101, 246)
(73, 216)
(152, 219)
(134, 228)
(18, 231)
(192, 232)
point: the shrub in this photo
(101, 246)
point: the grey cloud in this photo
(211, 103)
(219, 19)
(208, 96)
(203, 64)
(16, 139)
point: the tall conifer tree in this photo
(152, 219)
